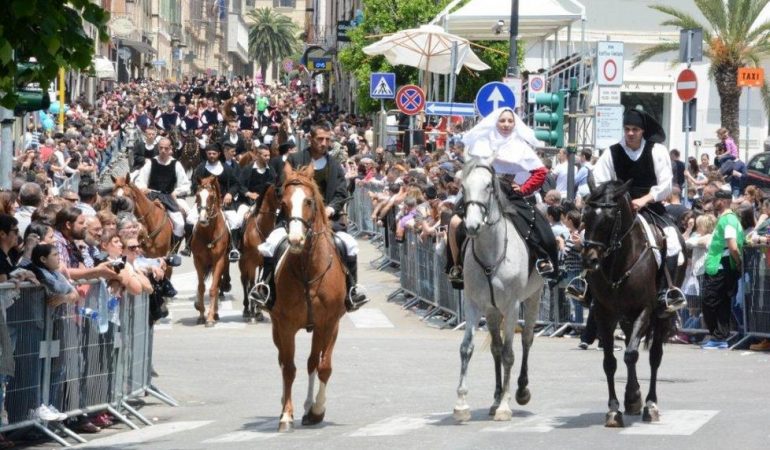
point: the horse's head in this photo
(123, 187)
(304, 205)
(480, 190)
(207, 200)
(605, 216)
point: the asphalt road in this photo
(394, 382)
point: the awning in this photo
(104, 68)
(477, 20)
(139, 46)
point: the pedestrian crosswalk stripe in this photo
(682, 422)
(537, 423)
(370, 318)
(242, 436)
(398, 425)
(134, 437)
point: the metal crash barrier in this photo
(80, 358)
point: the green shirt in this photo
(719, 244)
(261, 104)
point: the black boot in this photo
(670, 298)
(235, 239)
(176, 241)
(355, 297)
(188, 229)
(263, 292)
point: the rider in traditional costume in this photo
(228, 189)
(164, 178)
(503, 137)
(330, 179)
(168, 120)
(145, 149)
(641, 157)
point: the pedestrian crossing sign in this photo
(382, 85)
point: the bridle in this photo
(307, 223)
(493, 196)
(210, 204)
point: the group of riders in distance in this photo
(280, 212)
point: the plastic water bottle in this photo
(88, 313)
(112, 303)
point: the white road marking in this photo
(682, 422)
(370, 318)
(262, 432)
(398, 425)
(143, 435)
(537, 423)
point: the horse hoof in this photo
(210, 324)
(493, 409)
(216, 317)
(634, 408)
(285, 427)
(312, 419)
(462, 414)
(503, 415)
(614, 419)
(523, 396)
(260, 317)
(651, 414)
(246, 314)
(200, 321)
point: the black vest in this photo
(191, 123)
(162, 178)
(259, 182)
(211, 116)
(247, 123)
(641, 171)
(169, 120)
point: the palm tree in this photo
(731, 39)
(272, 37)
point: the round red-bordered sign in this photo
(610, 70)
(410, 99)
(686, 85)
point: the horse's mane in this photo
(298, 177)
(605, 192)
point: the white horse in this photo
(497, 275)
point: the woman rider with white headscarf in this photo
(503, 137)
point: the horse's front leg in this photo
(315, 414)
(606, 330)
(632, 403)
(494, 321)
(199, 306)
(531, 311)
(216, 275)
(462, 412)
(504, 412)
(289, 371)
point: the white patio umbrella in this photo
(428, 48)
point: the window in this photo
(760, 163)
(284, 3)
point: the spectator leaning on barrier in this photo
(69, 227)
(30, 198)
(724, 264)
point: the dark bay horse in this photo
(310, 288)
(623, 280)
(210, 242)
(256, 229)
(281, 136)
(151, 214)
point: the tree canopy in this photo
(272, 37)
(51, 32)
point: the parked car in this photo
(758, 172)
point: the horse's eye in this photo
(308, 202)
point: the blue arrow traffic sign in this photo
(382, 85)
(450, 109)
(492, 96)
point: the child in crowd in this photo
(731, 150)
(697, 240)
(45, 265)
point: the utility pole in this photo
(572, 138)
(513, 66)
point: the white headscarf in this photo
(511, 154)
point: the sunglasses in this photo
(133, 247)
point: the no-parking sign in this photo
(536, 86)
(609, 63)
(410, 99)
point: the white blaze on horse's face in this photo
(203, 197)
(120, 193)
(477, 188)
(296, 227)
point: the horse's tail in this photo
(664, 327)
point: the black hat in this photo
(285, 147)
(652, 130)
(721, 193)
(214, 147)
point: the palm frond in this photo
(655, 50)
(714, 12)
(680, 18)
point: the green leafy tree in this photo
(732, 38)
(272, 37)
(495, 54)
(51, 32)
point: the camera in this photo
(174, 260)
(100, 258)
(118, 265)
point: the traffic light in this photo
(549, 118)
(30, 97)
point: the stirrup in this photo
(456, 273)
(234, 255)
(674, 300)
(576, 290)
(356, 298)
(186, 251)
(260, 295)
(544, 267)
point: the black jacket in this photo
(252, 181)
(228, 182)
(336, 185)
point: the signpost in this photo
(515, 85)
(608, 125)
(410, 100)
(687, 82)
(686, 85)
(609, 63)
(750, 77)
(450, 109)
(492, 96)
(382, 85)
(536, 86)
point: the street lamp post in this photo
(513, 66)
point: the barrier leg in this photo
(395, 294)
(410, 303)
(70, 433)
(432, 313)
(162, 396)
(134, 412)
(122, 418)
(52, 435)
(460, 326)
(561, 330)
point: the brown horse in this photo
(150, 213)
(310, 288)
(210, 242)
(282, 136)
(256, 229)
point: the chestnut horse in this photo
(310, 288)
(151, 214)
(209, 244)
(256, 229)
(282, 136)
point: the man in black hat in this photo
(276, 162)
(641, 157)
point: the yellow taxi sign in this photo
(751, 76)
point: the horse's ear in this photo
(624, 188)
(128, 177)
(591, 181)
(309, 171)
(288, 171)
(114, 179)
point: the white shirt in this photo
(560, 171)
(604, 170)
(182, 182)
